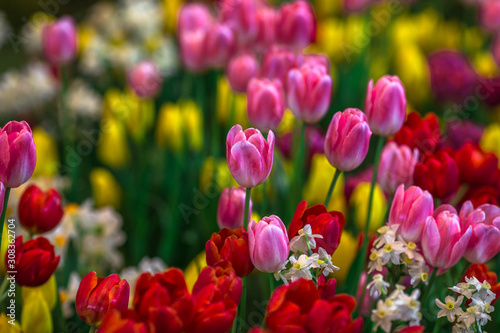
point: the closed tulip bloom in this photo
(35, 261)
(309, 90)
(220, 44)
(249, 156)
(347, 139)
(277, 62)
(443, 240)
(385, 105)
(231, 208)
(410, 210)
(241, 16)
(268, 244)
(59, 41)
(266, 27)
(145, 79)
(194, 16)
(40, 211)
(18, 158)
(489, 15)
(265, 103)
(240, 70)
(296, 24)
(98, 296)
(476, 167)
(396, 166)
(191, 45)
(123, 321)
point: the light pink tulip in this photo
(145, 79)
(59, 41)
(266, 28)
(443, 240)
(249, 155)
(385, 105)
(347, 139)
(240, 70)
(296, 24)
(18, 157)
(194, 16)
(265, 103)
(231, 208)
(410, 210)
(489, 15)
(396, 166)
(220, 44)
(241, 15)
(309, 90)
(277, 62)
(268, 244)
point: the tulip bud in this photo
(410, 210)
(489, 15)
(296, 24)
(268, 244)
(265, 103)
(18, 158)
(347, 139)
(309, 90)
(194, 16)
(396, 166)
(220, 44)
(241, 16)
(145, 79)
(231, 208)
(277, 62)
(98, 296)
(385, 105)
(240, 70)
(40, 211)
(421, 133)
(34, 261)
(249, 156)
(266, 27)
(59, 41)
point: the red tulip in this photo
(482, 273)
(476, 167)
(420, 133)
(40, 211)
(35, 261)
(232, 246)
(481, 195)
(97, 296)
(121, 322)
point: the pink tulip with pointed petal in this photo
(265, 103)
(396, 167)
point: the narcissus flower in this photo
(40, 211)
(482, 273)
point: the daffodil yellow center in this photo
(412, 246)
(413, 304)
(424, 276)
(297, 266)
(408, 260)
(381, 314)
(388, 248)
(373, 256)
(450, 305)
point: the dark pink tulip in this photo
(347, 139)
(249, 155)
(59, 41)
(277, 62)
(231, 208)
(268, 244)
(410, 210)
(266, 28)
(241, 15)
(220, 44)
(265, 103)
(296, 24)
(443, 240)
(194, 16)
(18, 157)
(309, 90)
(396, 166)
(145, 79)
(385, 105)
(240, 70)
(316, 59)
(489, 15)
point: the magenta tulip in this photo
(265, 103)
(296, 24)
(347, 139)
(249, 155)
(59, 41)
(240, 70)
(266, 28)
(277, 62)
(231, 208)
(385, 105)
(220, 44)
(18, 158)
(145, 79)
(410, 210)
(241, 16)
(396, 166)
(268, 244)
(194, 16)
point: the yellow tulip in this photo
(113, 149)
(286, 124)
(3, 249)
(169, 128)
(326, 31)
(6, 327)
(415, 77)
(490, 141)
(86, 34)
(47, 162)
(193, 269)
(228, 101)
(48, 291)
(171, 10)
(193, 124)
(344, 256)
(105, 188)
(36, 316)
(484, 64)
(217, 171)
(359, 204)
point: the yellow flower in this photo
(359, 204)
(344, 256)
(484, 64)
(217, 171)
(473, 39)
(286, 124)
(171, 10)
(6, 327)
(326, 31)
(193, 127)
(227, 102)
(105, 188)
(193, 269)
(36, 316)
(48, 291)
(490, 141)
(86, 34)
(113, 149)
(47, 162)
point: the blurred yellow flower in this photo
(86, 34)
(344, 256)
(359, 205)
(105, 189)
(286, 124)
(228, 101)
(411, 67)
(36, 316)
(217, 171)
(5, 327)
(329, 30)
(3, 249)
(113, 149)
(47, 162)
(171, 11)
(323, 8)
(48, 291)
(193, 269)
(490, 141)
(484, 64)
(473, 39)
(193, 125)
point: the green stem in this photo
(92, 329)
(299, 163)
(243, 303)
(4, 212)
(4, 285)
(271, 284)
(427, 291)
(247, 207)
(332, 186)
(438, 325)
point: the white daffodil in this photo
(301, 267)
(418, 271)
(378, 285)
(299, 242)
(325, 262)
(451, 308)
(382, 316)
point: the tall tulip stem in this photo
(247, 207)
(332, 186)
(4, 211)
(243, 302)
(271, 284)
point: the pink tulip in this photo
(443, 240)
(241, 15)
(59, 41)
(268, 244)
(347, 139)
(316, 59)
(231, 208)
(249, 155)
(145, 79)
(296, 24)
(194, 16)
(385, 105)
(265, 103)
(309, 90)
(396, 166)
(489, 15)
(410, 210)
(240, 70)
(277, 62)
(266, 28)
(18, 157)
(220, 44)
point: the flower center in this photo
(424, 276)
(297, 266)
(373, 256)
(450, 305)
(381, 314)
(413, 304)
(388, 248)
(412, 246)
